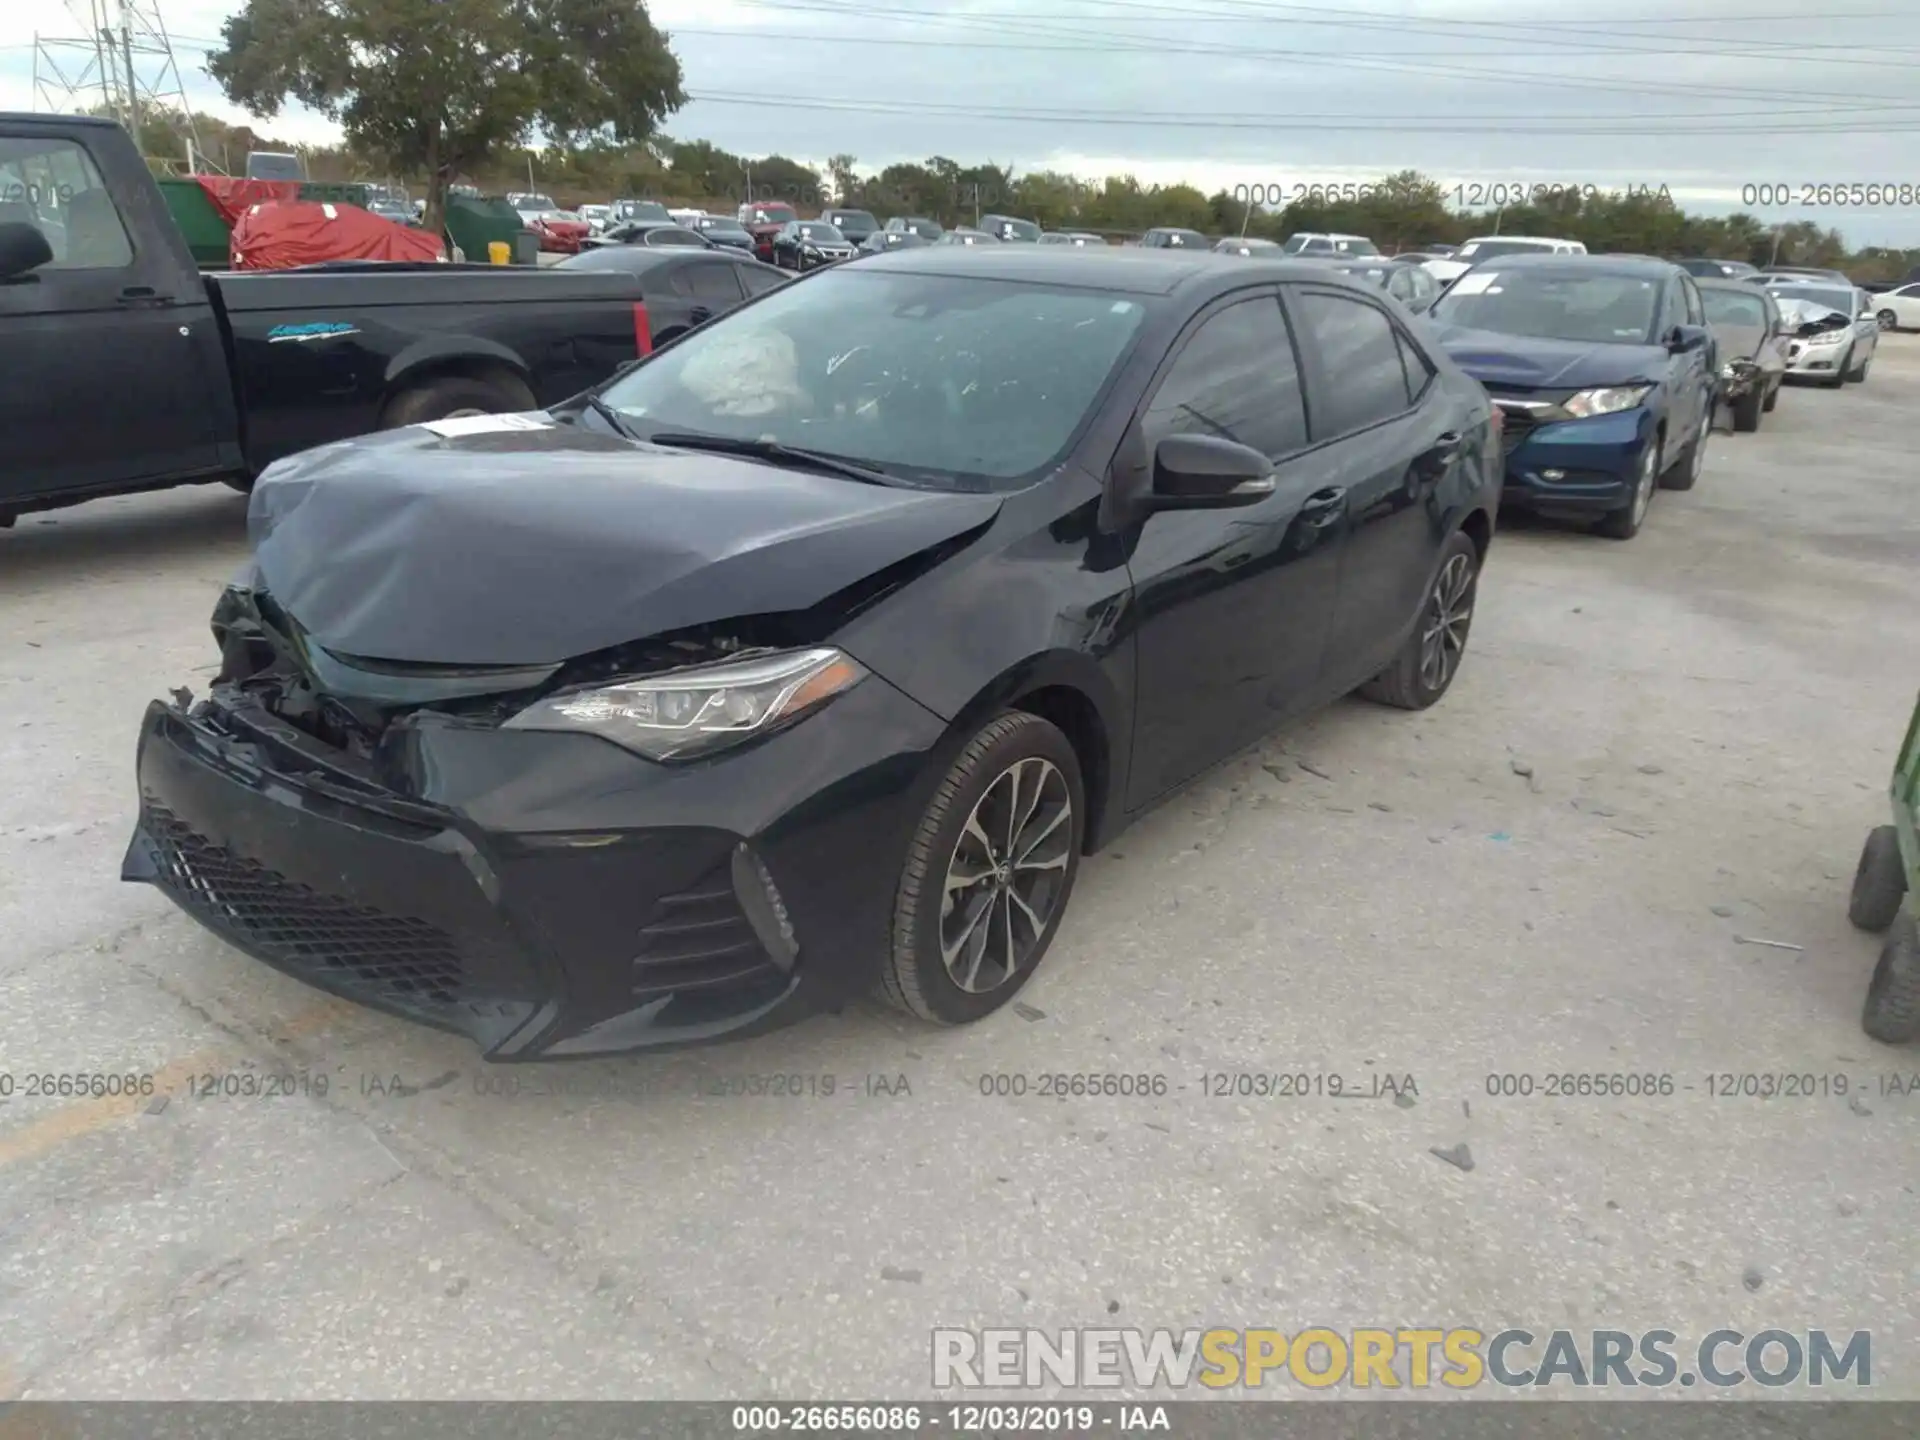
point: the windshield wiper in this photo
(612, 416)
(773, 452)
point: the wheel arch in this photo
(1070, 691)
(444, 357)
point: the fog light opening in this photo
(760, 902)
(1553, 474)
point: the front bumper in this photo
(545, 894)
(1575, 466)
(1805, 359)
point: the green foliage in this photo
(441, 87)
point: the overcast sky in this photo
(1477, 93)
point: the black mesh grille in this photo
(698, 938)
(407, 961)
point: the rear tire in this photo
(1892, 1012)
(456, 395)
(1879, 881)
(1426, 665)
(1016, 765)
(1888, 320)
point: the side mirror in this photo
(1206, 472)
(22, 249)
(1687, 337)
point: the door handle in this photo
(143, 296)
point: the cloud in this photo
(1480, 94)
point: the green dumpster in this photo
(473, 221)
(1886, 886)
(207, 234)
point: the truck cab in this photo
(100, 301)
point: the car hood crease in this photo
(1537, 363)
(534, 546)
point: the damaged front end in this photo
(413, 837)
(1738, 378)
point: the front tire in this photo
(1840, 372)
(1888, 320)
(1423, 670)
(1746, 411)
(1625, 523)
(1860, 374)
(1685, 472)
(1892, 1012)
(988, 873)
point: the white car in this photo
(598, 217)
(687, 217)
(1329, 246)
(1832, 333)
(1898, 308)
(1487, 247)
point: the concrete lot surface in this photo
(1708, 714)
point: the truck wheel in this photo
(1746, 412)
(457, 395)
(1879, 881)
(1892, 1011)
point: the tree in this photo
(443, 86)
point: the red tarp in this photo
(233, 198)
(281, 234)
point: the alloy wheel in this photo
(1449, 613)
(1887, 319)
(1006, 875)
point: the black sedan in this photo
(681, 287)
(808, 656)
(723, 232)
(882, 241)
(809, 244)
(649, 233)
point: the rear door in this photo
(1390, 433)
(710, 287)
(115, 373)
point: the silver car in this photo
(1831, 331)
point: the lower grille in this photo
(403, 960)
(699, 938)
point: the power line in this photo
(1531, 77)
(1281, 124)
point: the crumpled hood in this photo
(1524, 360)
(548, 541)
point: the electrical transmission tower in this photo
(121, 61)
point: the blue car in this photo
(1605, 373)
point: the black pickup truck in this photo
(127, 369)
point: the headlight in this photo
(1830, 337)
(1610, 400)
(696, 711)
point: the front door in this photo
(109, 350)
(1231, 606)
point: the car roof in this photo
(1123, 270)
(1729, 284)
(1528, 239)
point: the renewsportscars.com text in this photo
(1392, 1358)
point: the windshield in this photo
(1730, 307)
(726, 227)
(1367, 274)
(1554, 304)
(823, 234)
(1359, 247)
(1827, 297)
(1016, 229)
(773, 214)
(852, 222)
(1492, 249)
(641, 210)
(536, 202)
(964, 383)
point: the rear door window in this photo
(1358, 351)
